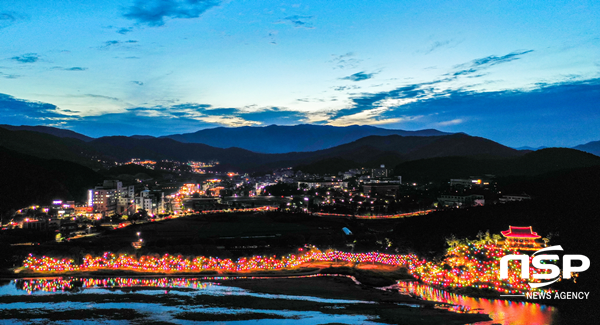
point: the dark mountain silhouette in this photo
(298, 138)
(590, 147)
(394, 149)
(27, 179)
(533, 163)
(372, 150)
(48, 146)
(61, 133)
(121, 148)
(142, 137)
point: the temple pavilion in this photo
(521, 238)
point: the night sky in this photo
(523, 73)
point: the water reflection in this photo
(111, 294)
(179, 286)
(501, 311)
(71, 284)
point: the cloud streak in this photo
(442, 44)
(26, 112)
(116, 44)
(345, 61)
(477, 65)
(70, 69)
(420, 91)
(153, 12)
(7, 19)
(298, 21)
(26, 58)
(360, 76)
(125, 30)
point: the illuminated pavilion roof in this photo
(520, 232)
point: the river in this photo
(121, 300)
(501, 311)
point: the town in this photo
(192, 188)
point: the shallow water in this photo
(501, 311)
(112, 293)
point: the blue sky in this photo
(517, 72)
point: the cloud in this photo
(298, 21)
(451, 122)
(114, 43)
(360, 76)
(562, 113)
(486, 62)
(70, 69)
(153, 12)
(365, 102)
(8, 18)
(345, 61)
(423, 90)
(101, 97)
(125, 30)
(26, 58)
(275, 115)
(76, 69)
(155, 120)
(344, 88)
(225, 116)
(15, 111)
(369, 117)
(437, 45)
(108, 44)
(181, 118)
(9, 76)
(567, 106)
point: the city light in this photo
(472, 265)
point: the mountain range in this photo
(279, 139)
(34, 158)
(368, 151)
(297, 138)
(61, 133)
(591, 147)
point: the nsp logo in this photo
(567, 267)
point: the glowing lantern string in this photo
(465, 266)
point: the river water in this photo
(501, 311)
(167, 300)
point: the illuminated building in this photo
(103, 200)
(379, 172)
(521, 238)
(152, 203)
(381, 189)
(472, 182)
(461, 200)
(324, 184)
(514, 198)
